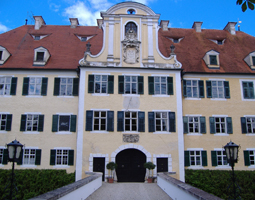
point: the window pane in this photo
(64, 123)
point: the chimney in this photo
(39, 22)
(99, 23)
(197, 26)
(164, 25)
(230, 27)
(74, 22)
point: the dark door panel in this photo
(162, 164)
(99, 166)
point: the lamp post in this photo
(14, 149)
(231, 150)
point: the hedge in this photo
(217, 182)
(33, 182)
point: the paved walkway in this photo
(129, 191)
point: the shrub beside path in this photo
(129, 191)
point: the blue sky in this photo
(181, 13)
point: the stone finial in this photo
(88, 45)
(39, 21)
(74, 22)
(172, 47)
(164, 25)
(197, 26)
(230, 27)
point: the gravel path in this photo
(129, 191)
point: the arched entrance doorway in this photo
(130, 166)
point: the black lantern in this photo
(231, 150)
(14, 150)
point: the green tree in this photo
(246, 4)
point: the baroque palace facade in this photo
(129, 90)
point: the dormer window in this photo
(211, 59)
(131, 12)
(83, 39)
(131, 26)
(250, 60)
(4, 55)
(175, 40)
(37, 37)
(41, 56)
(219, 42)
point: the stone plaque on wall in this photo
(131, 56)
(131, 138)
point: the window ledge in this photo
(63, 133)
(250, 134)
(195, 167)
(218, 99)
(134, 132)
(128, 95)
(1, 165)
(34, 96)
(192, 98)
(28, 166)
(248, 99)
(61, 166)
(31, 132)
(3, 132)
(99, 94)
(6, 96)
(223, 167)
(161, 95)
(251, 166)
(104, 132)
(222, 134)
(65, 96)
(197, 134)
(161, 132)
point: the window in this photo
(253, 60)
(35, 86)
(66, 86)
(195, 158)
(64, 123)
(131, 12)
(39, 56)
(193, 88)
(5, 122)
(32, 122)
(219, 158)
(176, 40)
(1, 156)
(218, 89)
(249, 157)
(37, 37)
(213, 60)
(83, 39)
(131, 26)
(29, 157)
(131, 121)
(250, 60)
(219, 42)
(101, 84)
(8, 85)
(160, 85)
(130, 84)
(1, 53)
(248, 89)
(161, 121)
(99, 120)
(221, 125)
(62, 157)
(194, 124)
(248, 124)
(4, 55)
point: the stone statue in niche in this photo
(131, 47)
(131, 138)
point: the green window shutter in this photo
(246, 158)
(13, 86)
(120, 123)
(226, 89)
(23, 123)
(38, 153)
(209, 89)
(212, 125)
(185, 124)
(110, 84)
(184, 88)
(204, 158)
(9, 122)
(172, 122)
(54, 123)
(151, 85)
(121, 84)
(41, 122)
(70, 157)
(5, 157)
(110, 121)
(44, 86)
(201, 89)
(25, 86)
(186, 159)
(56, 86)
(170, 86)
(202, 125)
(91, 84)
(151, 120)
(243, 125)
(20, 158)
(140, 84)
(52, 157)
(214, 158)
(73, 123)
(141, 121)
(89, 120)
(229, 125)
(75, 86)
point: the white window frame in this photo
(100, 118)
(223, 158)
(216, 89)
(100, 82)
(195, 156)
(161, 119)
(252, 157)
(37, 87)
(5, 55)
(30, 156)
(131, 121)
(3, 120)
(130, 84)
(66, 85)
(1, 155)
(206, 58)
(252, 124)
(69, 123)
(192, 87)
(241, 85)
(6, 91)
(194, 123)
(31, 121)
(60, 155)
(46, 56)
(160, 83)
(219, 123)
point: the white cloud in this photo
(54, 7)
(100, 4)
(3, 28)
